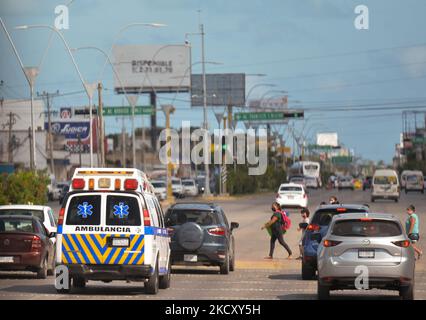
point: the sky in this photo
(309, 48)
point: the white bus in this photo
(307, 169)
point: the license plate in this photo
(6, 259)
(366, 254)
(190, 258)
(120, 242)
(290, 197)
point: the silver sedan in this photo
(366, 251)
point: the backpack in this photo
(285, 221)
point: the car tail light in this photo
(341, 209)
(313, 227)
(61, 217)
(36, 244)
(278, 195)
(170, 231)
(219, 231)
(331, 243)
(78, 183)
(91, 184)
(402, 244)
(305, 196)
(365, 219)
(130, 184)
(117, 184)
(146, 218)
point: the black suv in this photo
(201, 235)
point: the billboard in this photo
(273, 103)
(223, 89)
(145, 68)
(327, 139)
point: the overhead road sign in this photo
(127, 111)
(267, 116)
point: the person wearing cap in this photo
(412, 229)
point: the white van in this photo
(414, 181)
(385, 185)
(111, 227)
(404, 175)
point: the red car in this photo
(25, 245)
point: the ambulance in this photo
(111, 227)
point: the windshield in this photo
(159, 184)
(202, 218)
(23, 212)
(370, 228)
(188, 183)
(385, 180)
(123, 211)
(84, 210)
(175, 182)
(323, 217)
(311, 167)
(291, 189)
(16, 225)
(414, 179)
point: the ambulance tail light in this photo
(117, 184)
(146, 218)
(78, 183)
(61, 217)
(130, 184)
(91, 184)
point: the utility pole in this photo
(79, 149)
(101, 126)
(224, 173)
(123, 143)
(47, 97)
(168, 109)
(205, 125)
(10, 124)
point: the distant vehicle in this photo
(311, 182)
(376, 241)
(414, 182)
(177, 188)
(201, 182)
(43, 213)
(317, 230)
(298, 180)
(291, 195)
(367, 183)
(385, 185)
(345, 182)
(190, 187)
(305, 169)
(403, 177)
(201, 235)
(63, 193)
(25, 245)
(160, 189)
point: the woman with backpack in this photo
(275, 225)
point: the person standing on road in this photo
(275, 225)
(302, 227)
(412, 229)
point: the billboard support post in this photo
(153, 101)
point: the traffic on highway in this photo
(212, 152)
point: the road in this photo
(255, 278)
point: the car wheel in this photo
(79, 282)
(224, 267)
(308, 272)
(323, 292)
(165, 280)
(152, 285)
(42, 271)
(372, 199)
(396, 199)
(407, 293)
(51, 271)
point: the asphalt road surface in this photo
(254, 278)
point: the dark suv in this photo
(317, 229)
(201, 235)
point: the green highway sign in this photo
(264, 116)
(127, 111)
(341, 160)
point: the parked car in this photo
(376, 241)
(291, 195)
(43, 213)
(177, 188)
(345, 182)
(160, 189)
(414, 182)
(190, 187)
(63, 193)
(201, 235)
(25, 245)
(404, 174)
(312, 182)
(298, 180)
(318, 229)
(385, 185)
(367, 183)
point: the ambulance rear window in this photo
(84, 210)
(123, 211)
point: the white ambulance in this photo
(111, 227)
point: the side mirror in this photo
(316, 236)
(234, 225)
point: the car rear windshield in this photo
(323, 217)
(159, 184)
(202, 218)
(123, 211)
(84, 210)
(291, 189)
(23, 212)
(385, 180)
(371, 228)
(176, 182)
(414, 179)
(188, 183)
(16, 225)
